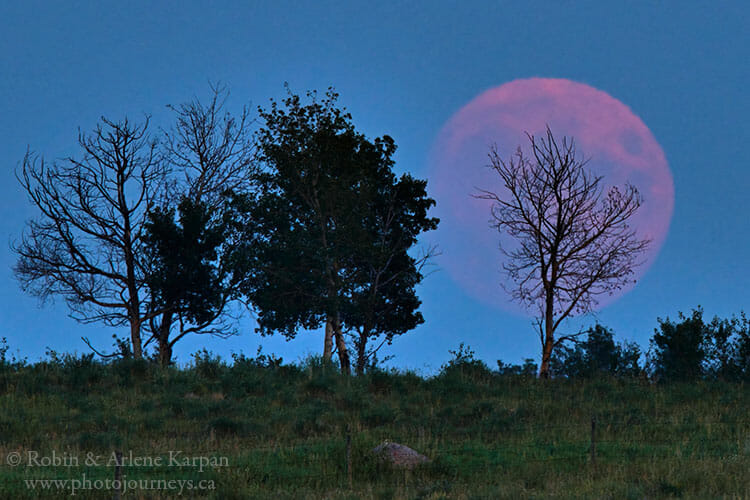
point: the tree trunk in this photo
(362, 353)
(165, 347)
(328, 341)
(134, 306)
(134, 302)
(135, 335)
(549, 336)
(341, 347)
(546, 357)
(165, 353)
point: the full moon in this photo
(617, 144)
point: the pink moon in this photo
(616, 142)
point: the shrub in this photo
(208, 366)
(678, 349)
(691, 348)
(598, 355)
(728, 348)
(465, 367)
(12, 363)
(129, 370)
(261, 360)
(528, 369)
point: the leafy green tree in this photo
(679, 349)
(190, 236)
(464, 367)
(692, 348)
(331, 227)
(383, 300)
(728, 348)
(189, 279)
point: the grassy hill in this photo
(280, 431)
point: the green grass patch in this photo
(282, 432)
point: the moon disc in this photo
(618, 144)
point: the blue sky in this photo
(403, 69)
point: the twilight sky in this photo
(403, 69)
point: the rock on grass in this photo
(399, 455)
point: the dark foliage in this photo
(464, 367)
(528, 369)
(331, 226)
(184, 251)
(598, 355)
(690, 349)
(679, 348)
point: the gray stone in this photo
(399, 455)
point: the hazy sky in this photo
(403, 69)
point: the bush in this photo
(82, 371)
(3, 350)
(7, 363)
(528, 369)
(207, 365)
(465, 367)
(728, 349)
(692, 349)
(261, 360)
(129, 370)
(598, 355)
(678, 350)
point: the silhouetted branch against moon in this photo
(574, 241)
(620, 151)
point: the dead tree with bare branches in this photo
(86, 245)
(570, 240)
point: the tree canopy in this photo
(331, 226)
(305, 220)
(190, 235)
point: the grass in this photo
(281, 430)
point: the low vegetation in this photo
(282, 430)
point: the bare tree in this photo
(86, 243)
(572, 240)
(213, 149)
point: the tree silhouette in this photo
(693, 348)
(86, 245)
(326, 249)
(383, 300)
(190, 237)
(598, 355)
(571, 240)
(190, 281)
